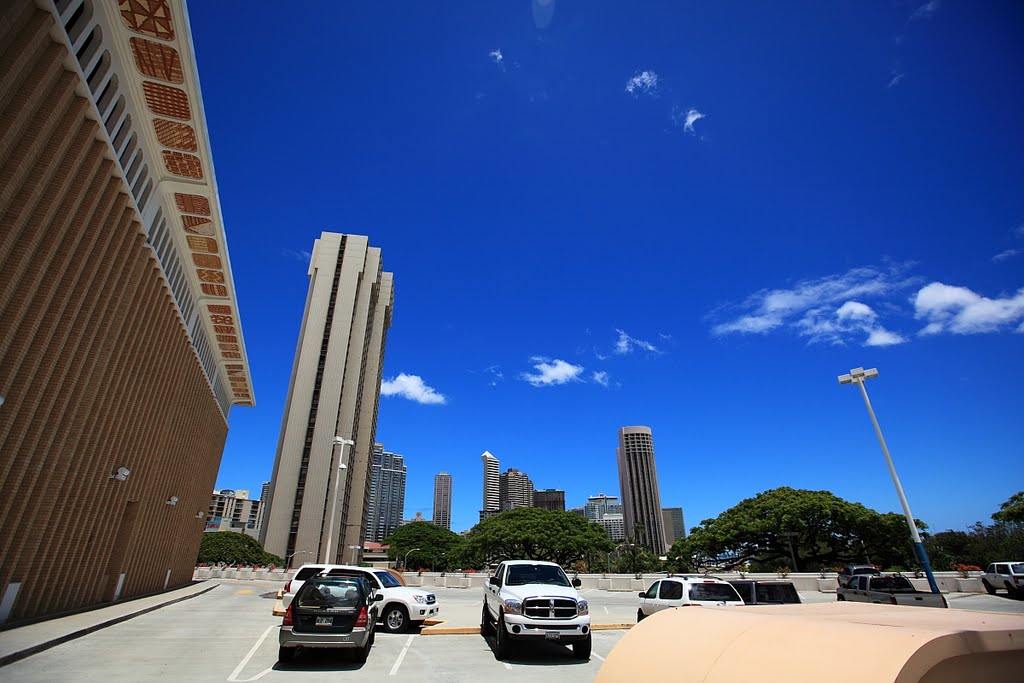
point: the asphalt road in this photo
(229, 634)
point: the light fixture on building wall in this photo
(121, 473)
(173, 500)
(200, 514)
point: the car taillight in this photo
(288, 587)
(361, 619)
(287, 617)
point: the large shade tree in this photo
(424, 545)
(229, 547)
(786, 527)
(537, 534)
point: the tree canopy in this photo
(229, 547)
(1012, 511)
(426, 544)
(784, 527)
(536, 534)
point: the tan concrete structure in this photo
(515, 490)
(443, 500)
(672, 522)
(837, 642)
(334, 391)
(638, 481)
(121, 351)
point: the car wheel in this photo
(840, 598)
(361, 653)
(502, 645)
(581, 648)
(396, 619)
(486, 627)
(640, 615)
(286, 654)
(989, 588)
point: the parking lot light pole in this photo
(353, 548)
(405, 562)
(338, 441)
(297, 552)
(858, 376)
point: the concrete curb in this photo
(59, 640)
(475, 630)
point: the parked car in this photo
(531, 601)
(403, 607)
(756, 592)
(1008, 575)
(684, 591)
(851, 570)
(888, 590)
(330, 612)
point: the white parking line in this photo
(245, 660)
(594, 654)
(508, 666)
(605, 608)
(401, 656)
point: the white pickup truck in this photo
(888, 590)
(532, 601)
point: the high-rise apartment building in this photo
(613, 525)
(334, 392)
(672, 520)
(121, 350)
(638, 480)
(443, 500)
(549, 499)
(515, 490)
(387, 494)
(491, 501)
(233, 510)
(264, 497)
(600, 505)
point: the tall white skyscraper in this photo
(638, 480)
(492, 499)
(443, 500)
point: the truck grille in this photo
(549, 608)
(431, 599)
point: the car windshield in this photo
(1017, 568)
(522, 574)
(387, 580)
(331, 594)
(716, 592)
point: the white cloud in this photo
(686, 118)
(961, 311)
(897, 76)
(643, 82)
(496, 56)
(881, 337)
(601, 378)
(496, 375)
(551, 372)
(626, 344)
(412, 388)
(926, 11)
(829, 309)
(1005, 255)
(299, 255)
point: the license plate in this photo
(325, 621)
(552, 635)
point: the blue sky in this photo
(691, 216)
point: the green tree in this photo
(634, 558)
(427, 546)
(808, 529)
(228, 547)
(536, 534)
(1012, 511)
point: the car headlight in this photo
(422, 599)
(513, 607)
(582, 607)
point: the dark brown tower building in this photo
(121, 351)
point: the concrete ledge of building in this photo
(21, 641)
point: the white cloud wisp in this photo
(645, 82)
(601, 378)
(626, 344)
(413, 388)
(961, 311)
(551, 372)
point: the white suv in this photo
(1008, 575)
(686, 590)
(402, 608)
(529, 600)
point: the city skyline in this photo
(577, 250)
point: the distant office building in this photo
(418, 518)
(387, 494)
(443, 500)
(491, 500)
(549, 499)
(232, 510)
(578, 511)
(264, 497)
(515, 490)
(484, 514)
(600, 505)
(672, 520)
(121, 348)
(334, 392)
(638, 480)
(613, 525)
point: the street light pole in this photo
(353, 548)
(338, 441)
(297, 552)
(405, 562)
(858, 376)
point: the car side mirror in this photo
(576, 583)
(642, 594)
(494, 581)
(378, 598)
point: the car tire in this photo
(502, 646)
(286, 654)
(486, 627)
(362, 653)
(581, 648)
(640, 615)
(396, 618)
(840, 598)
(989, 588)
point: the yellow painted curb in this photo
(280, 593)
(433, 622)
(451, 631)
(279, 610)
(611, 627)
